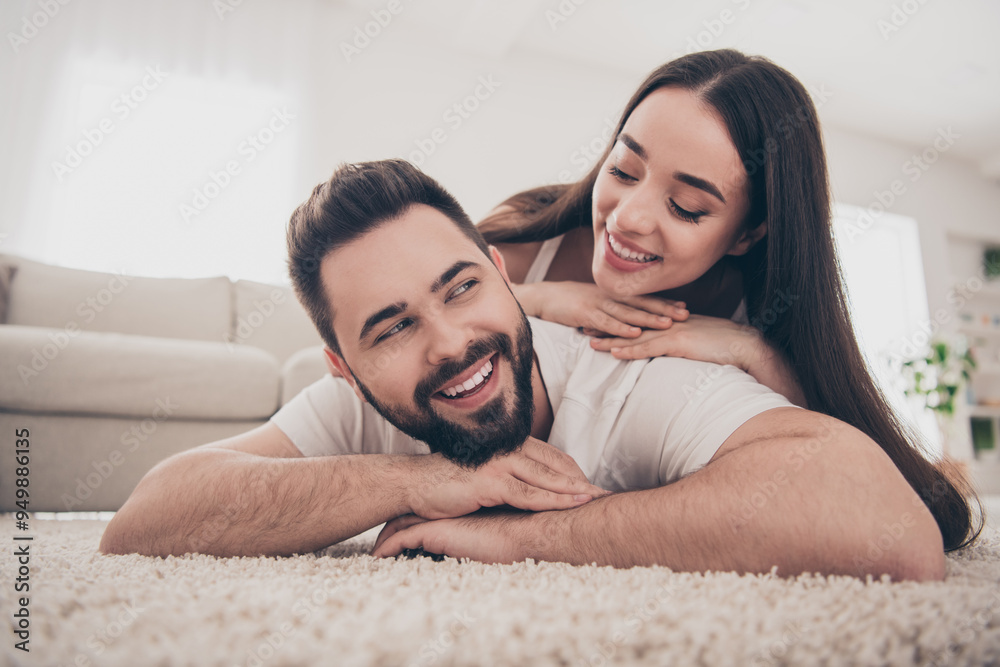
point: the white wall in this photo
(948, 198)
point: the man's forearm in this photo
(805, 505)
(229, 503)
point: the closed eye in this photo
(683, 214)
(620, 175)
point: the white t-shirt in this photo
(628, 424)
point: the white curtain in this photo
(117, 114)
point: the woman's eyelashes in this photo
(684, 214)
(620, 175)
(404, 323)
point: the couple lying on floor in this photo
(653, 365)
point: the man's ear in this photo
(748, 239)
(338, 368)
(498, 261)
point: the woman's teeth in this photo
(631, 255)
(480, 377)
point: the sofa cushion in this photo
(46, 370)
(301, 370)
(270, 317)
(53, 296)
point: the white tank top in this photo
(543, 260)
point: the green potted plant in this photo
(938, 379)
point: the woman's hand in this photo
(586, 307)
(715, 340)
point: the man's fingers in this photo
(529, 497)
(396, 525)
(542, 477)
(553, 457)
(399, 541)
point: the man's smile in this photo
(474, 386)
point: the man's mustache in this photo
(477, 350)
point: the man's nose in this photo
(448, 340)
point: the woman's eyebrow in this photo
(633, 145)
(689, 179)
(699, 183)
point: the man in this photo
(709, 469)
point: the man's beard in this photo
(502, 428)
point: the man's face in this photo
(433, 337)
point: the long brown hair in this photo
(775, 129)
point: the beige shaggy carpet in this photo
(343, 607)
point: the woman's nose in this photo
(633, 216)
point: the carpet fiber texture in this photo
(343, 607)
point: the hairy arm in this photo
(790, 488)
(255, 494)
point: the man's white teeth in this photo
(472, 382)
(625, 253)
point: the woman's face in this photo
(670, 200)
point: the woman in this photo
(711, 210)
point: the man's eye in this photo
(396, 328)
(463, 288)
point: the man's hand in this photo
(536, 477)
(488, 536)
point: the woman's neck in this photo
(717, 292)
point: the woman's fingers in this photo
(637, 317)
(598, 319)
(675, 310)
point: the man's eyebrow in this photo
(382, 315)
(450, 274)
(681, 176)
(395, 309)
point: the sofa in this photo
(111, 373)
